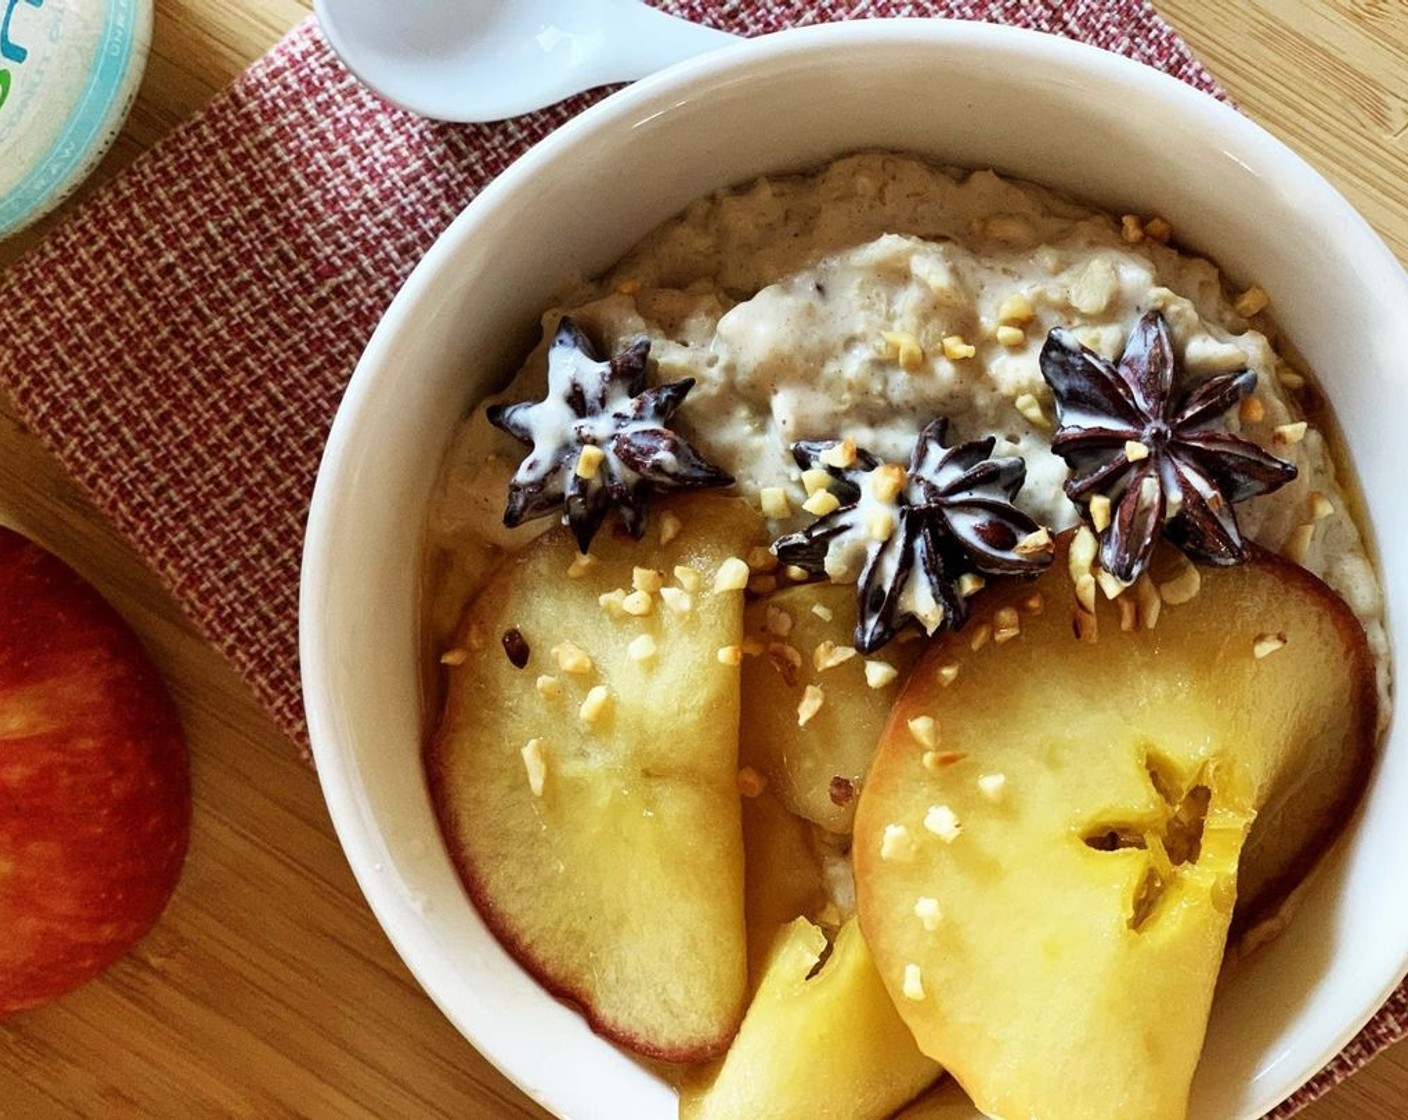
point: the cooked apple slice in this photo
(585, 774)
(821, 1040)
(1048, 888)
(816, 757)
(782, 875)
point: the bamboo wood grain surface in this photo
(268, 990)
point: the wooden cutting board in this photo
(268, 990)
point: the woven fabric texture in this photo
(181, 345)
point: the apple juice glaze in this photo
(844, 303)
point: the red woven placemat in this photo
(182, 343)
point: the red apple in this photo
(95, 800)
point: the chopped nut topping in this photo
(904, 348)
(1131, 229)
(878, 674)
(811, 702)
(982, 633)
(821, 503)
(1158, 229)
(925, 731)
(796, 574)
(581, 564)
(680, 602)
(815, 480)
(729, 655)
(612, 602)
(1150, 604)
(642, 648)
(647, 580)
(1183, 587)
(1100, 512)
(638, 604)
(779, 622)
(751, 783)
(1251, 302)
(1017, 309)
(456, 656)
(1034, 543)
(880, 525)
(970, 583)
(1006, 625)
(828, 655)
(594, 705)
(762, 585)
(929, 913)
(1111, 586)
(1095, 287)
(943, 823)
(1033, 604)
(897, 844)
(1298, 544)
(732, 576)
(1129, 614)
(752, 647)
(1134, 451)
(1289, 378)
(571, 658)
(913, 986)
(590, 460)
(956, 349)
(536, 764)
(934, 761)
(823, 612)
(887, 481)
(1320, 506)
(1264, 645)
(947, 674)
(841, 454)
(1030, 407)
(687, 577)
(774, 503)
(1080, 560)
(1084, 625)
(993, 786)
(1010, 336)
(1289, 433)
(1251, 410)
(549, 687)
(670, 526)
(762, 559)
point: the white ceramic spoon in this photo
(485, 60)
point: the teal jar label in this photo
(68, 72)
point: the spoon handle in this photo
(645, 39)
(485, 60)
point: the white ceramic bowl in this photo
(1073, 117)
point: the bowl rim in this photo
(649, 97)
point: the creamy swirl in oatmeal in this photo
(863, 300)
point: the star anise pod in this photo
(1129, 431)
(599, 439)
(920, 529)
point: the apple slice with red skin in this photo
(594, 818)
(95, 798)
(1047, 881)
